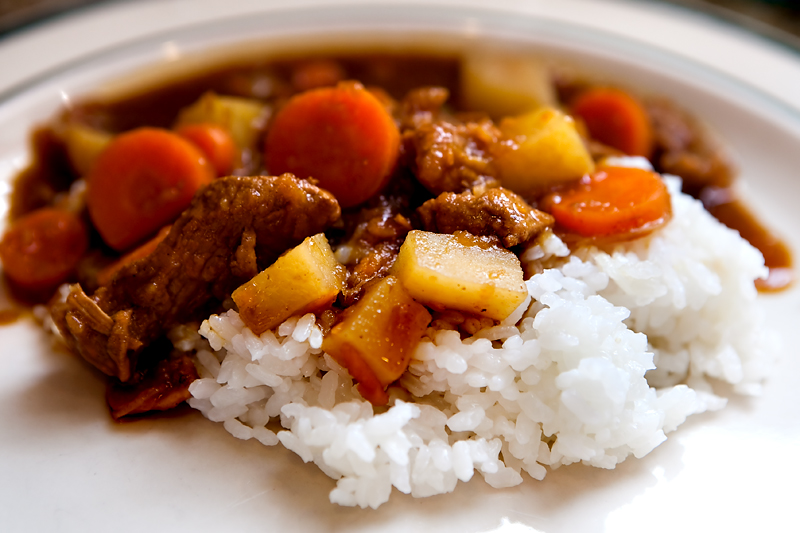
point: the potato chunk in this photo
(84, 145)
(502, 84)
(376, 336)
(305, 279)
(460, 272)
(244, 118)
(546, 150)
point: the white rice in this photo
(613, 351)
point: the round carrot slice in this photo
(617, 119)
(342, 136)
(215, 142)
(141, 182)
(614, 201)
(42, 249)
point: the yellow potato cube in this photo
(376, 336)
(243, 118)
(84, 144)
(460, 272)
(546, 150)
(305, 279)
(503, 84)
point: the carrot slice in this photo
(314, 74)
(215, 142)
(42, 249)
(105, 276)
(141, 182)
(342, 136)
(614, 201)
(617, 119)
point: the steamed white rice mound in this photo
(613, 351)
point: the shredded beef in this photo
(497, 212)
(233, 227)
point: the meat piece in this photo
(452, 157)
(162, 387)
(376, 234)
(685, 149)
(422, 106)
(497, 212)
(204, 257)
(375, 264)
(444, 153)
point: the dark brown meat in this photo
(497, 212)
(444, 153)
(376, 234)
(163, 387)
(208, 252)
(683, 148)
(422, 106)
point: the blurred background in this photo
(778, 19)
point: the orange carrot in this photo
(142, 181)
(105, 276)
(42, 249)
(342, 136)
(614, 201)
(215, 142)
(315, 74)
(616, 119)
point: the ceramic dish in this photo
(66, 466)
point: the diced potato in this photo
(460, 272)
(376, 336)
(84, 144)
(502, 84)
(546, 150)
(244, 118)
(305, 279)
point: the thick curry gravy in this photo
(274, 81)
(735, 213)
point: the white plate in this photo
(65, 466)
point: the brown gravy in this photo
(735, 214)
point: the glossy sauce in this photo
(734, 213)
(9, 316)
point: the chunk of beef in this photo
(376, 234)
(684, 148)
(444, 153)
(162, 387)
(422, 106)
(497, 212)
(234, 227)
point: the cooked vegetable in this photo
(615, 118)
(614, 201)
(376, 336)
(215, 142)
(105, 276)
(462, 272)
(315, 74)
(42, 249)
(305, 279)
(501, 84)
(341, 136)
(141, 182)
(545, 150)
(84, 146)
(243, 118)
